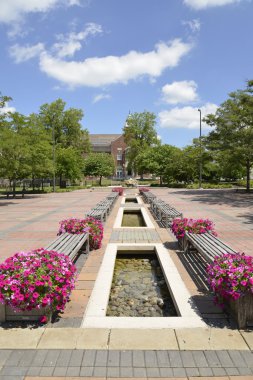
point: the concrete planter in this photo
(242, 310)
(7, 314)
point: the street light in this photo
(53, 137)
(200, 146)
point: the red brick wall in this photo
(119, 143)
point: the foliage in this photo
(99, 165)
(196, 226)
(37, 279)
(78, 226)
(69, 163)
(233, 133)
(139, 134)
(231, 276)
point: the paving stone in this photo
(14, 358)
(126, 372)
(248, 357)
(225, 359)
(73, 371)
(232, 371)
(205, 372)
(101, 358)
(39, 358)
(245, 371)
(163, 359)
(14, 371)
(175, 359)
(126, 358)
(179, 372)
(187, 359)
(89, 357)
(86, 371)
(199, 358)
(166, 372)
(113, 358)
(219, 371)
(113, 372)
(153, 372)
(190, 371)
(138, 359)
(4, 356)
(237, 359)
(46, 371)
(64, 358)
(60, 371)
(212, 359)
(99, 371)
(139, 372)
(28, 358)
(150, 359)
(76, 358)
(6, 377)
(51, 358)
(33, 371)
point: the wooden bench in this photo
(15, 194)
(70, 244)
(206, 244)
(99, 214)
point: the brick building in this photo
(112, 144)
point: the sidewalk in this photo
(63, 349)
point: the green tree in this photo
(139, 134)
(69, 163)
(233, 133)
(99, 165)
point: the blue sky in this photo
(109, 57)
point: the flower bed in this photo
(36, 280)
(196, 226)
(78, 226)
(118, 190)
(231, 279)
(143, 190)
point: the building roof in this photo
(103, 139)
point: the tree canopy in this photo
(99, 165)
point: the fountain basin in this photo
(147, 223)
(95, 315)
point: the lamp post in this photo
(53, 136)
(200, 155)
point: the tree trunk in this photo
(161, 180)
(60, 180)
(33, 184)
(42, 184)
(100, 180)
(248, 175)
(14, 187)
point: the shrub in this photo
(37, 279)
(196, 226)
(78, 226)
(231, 276)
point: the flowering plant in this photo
(118, 189)
(143, 190)
(196, 226)
(36, 279)
(231, 276)
(78, 226)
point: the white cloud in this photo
(7, 109)
(180, 92)
(203, 4)
(96, 72)
(185, 117)
(68, 45)
(14, 10)
(194, 25)
(24, 53)
(99, 97)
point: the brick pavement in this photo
(35, 221)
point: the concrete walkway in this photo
(63, 350)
